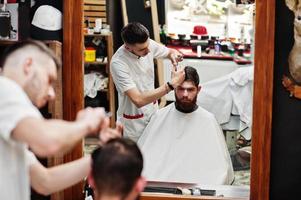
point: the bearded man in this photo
(184, 143)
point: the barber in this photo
(29, 71)
(132, 68)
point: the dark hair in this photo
(191, 75)
(27, 43)
(134, 33)
(116, 166)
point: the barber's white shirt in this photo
(15, 158)
(186, 148)
(130, 71)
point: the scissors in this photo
(179, 59)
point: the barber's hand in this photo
(92, 118)
(107, 133)
(175, 57)
(177, 77)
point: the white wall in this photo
(207, 70)
(181, 21)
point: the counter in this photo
(222, 192)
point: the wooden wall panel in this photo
(73, 92)
(263, 99)
(95, 9)
(56, 108)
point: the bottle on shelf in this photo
(163, 37)
(217, 47)
(231, 49)
(199, 51)
(90, 54)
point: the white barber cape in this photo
(185, 147)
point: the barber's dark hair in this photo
(191, 75)
(116, 167)
(134, 33)
(27, 43)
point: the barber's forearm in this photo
(47, 181)
(66, 175)
(143, 98)
(154, 95)
(64, 135)
(171, 51)
(49, 137)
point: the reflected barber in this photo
(132, 68)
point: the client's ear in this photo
(140, 184)
(199, 88)
(91, 180)
(137, 188)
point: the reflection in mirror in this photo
(216, 38)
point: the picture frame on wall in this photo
(9, 25)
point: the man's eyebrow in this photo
(187, 88)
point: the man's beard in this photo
(186, 106)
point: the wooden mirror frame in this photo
(262, 100)
(73, 83)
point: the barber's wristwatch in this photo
(170, 86)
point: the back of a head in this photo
(36, 48)
(191, 74)
(134, 33)
(116, 167)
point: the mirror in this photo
(228, 22)
(263, 84)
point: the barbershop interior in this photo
(208, 90)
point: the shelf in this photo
(7, 42)
(189, 53)
(108, 93)
(97, 35)
(96, 63)
(97, 68)
(103, 90)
